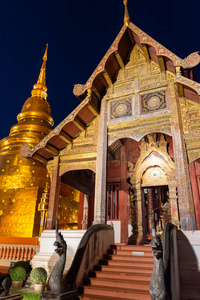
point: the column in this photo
(101, 167)
(123, 211)
(138, 236)
(85, 213)
(173, 199)
(150, 207)
(80, 211)
(159, 205)
(54, 195)
(185, 200)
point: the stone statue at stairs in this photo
(57, 291)
(157, 284)
(55, 279)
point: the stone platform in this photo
(47, 258)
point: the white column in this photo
(101, 166)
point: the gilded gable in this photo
(190, 115)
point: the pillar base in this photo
(136, 239)
(47, 257)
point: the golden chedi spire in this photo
(34, 121)
(40, 89)
(126, 14)
(22, 181)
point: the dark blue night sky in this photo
(79, 33)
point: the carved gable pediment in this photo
(153, 154)
(192, 106)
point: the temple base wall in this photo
(117, 230)
(47, 258)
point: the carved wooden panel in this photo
(153, 101)
(121, 108)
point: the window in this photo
(113, 201)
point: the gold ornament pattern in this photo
(154, 176)
(153, 101)
(120, 109)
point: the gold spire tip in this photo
(40, 89)
(45, 53)
(126, 14)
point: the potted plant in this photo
(18, 275)
(25, 264)
(38, 277)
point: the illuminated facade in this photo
(133, 143)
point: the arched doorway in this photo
(76, 200)
(155, 197)
(153, 185)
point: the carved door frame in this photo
(148, 160)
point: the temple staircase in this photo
(123, 273)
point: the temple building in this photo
(132, 144)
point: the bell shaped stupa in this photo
(22, 181)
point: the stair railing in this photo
(168, 268)
(95, 242)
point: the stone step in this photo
(121, 284)
(133, 253)
(115, 293)
(128, 258)
(123, 275)
(146, 248)
(141, 270)
(121, 263)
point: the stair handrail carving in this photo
(95, 242)
(164, 283)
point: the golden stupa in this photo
(22, 181)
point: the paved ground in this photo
(27, 290)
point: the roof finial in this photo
(40, 89)
(126, 14)
(45, 53)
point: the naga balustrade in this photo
(95, 242)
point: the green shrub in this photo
(18, 274)
(38, 275)
(25, 264)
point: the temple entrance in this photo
(76, 201)
(141, 178)
(156, 198)
(152, 187)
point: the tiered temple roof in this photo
(91, 93)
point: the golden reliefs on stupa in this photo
(22, 181)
